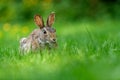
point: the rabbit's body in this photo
(31, 42)
(40, 38)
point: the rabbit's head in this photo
(46, 31)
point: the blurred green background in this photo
(88, 36)
(69, 10)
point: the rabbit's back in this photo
(32, 42)
(25, 45)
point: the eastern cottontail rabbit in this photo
(44, 36)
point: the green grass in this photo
(86, 51)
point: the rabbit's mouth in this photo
(53, 42)
(47, 42)
(50, 42)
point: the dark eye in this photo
(44, 32)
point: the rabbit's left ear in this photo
(51, 19)
(39, 21)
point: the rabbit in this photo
(44, 36)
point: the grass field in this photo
(86, 51)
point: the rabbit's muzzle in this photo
(52, 38)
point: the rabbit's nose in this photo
(54, 40)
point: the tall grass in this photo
(86, 51)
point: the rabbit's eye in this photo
(44, 32)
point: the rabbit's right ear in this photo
(51, 19)
(39, 21)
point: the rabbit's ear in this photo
(51, 19)
(39, 21)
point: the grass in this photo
(86, 51)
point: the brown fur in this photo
(42, 37)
